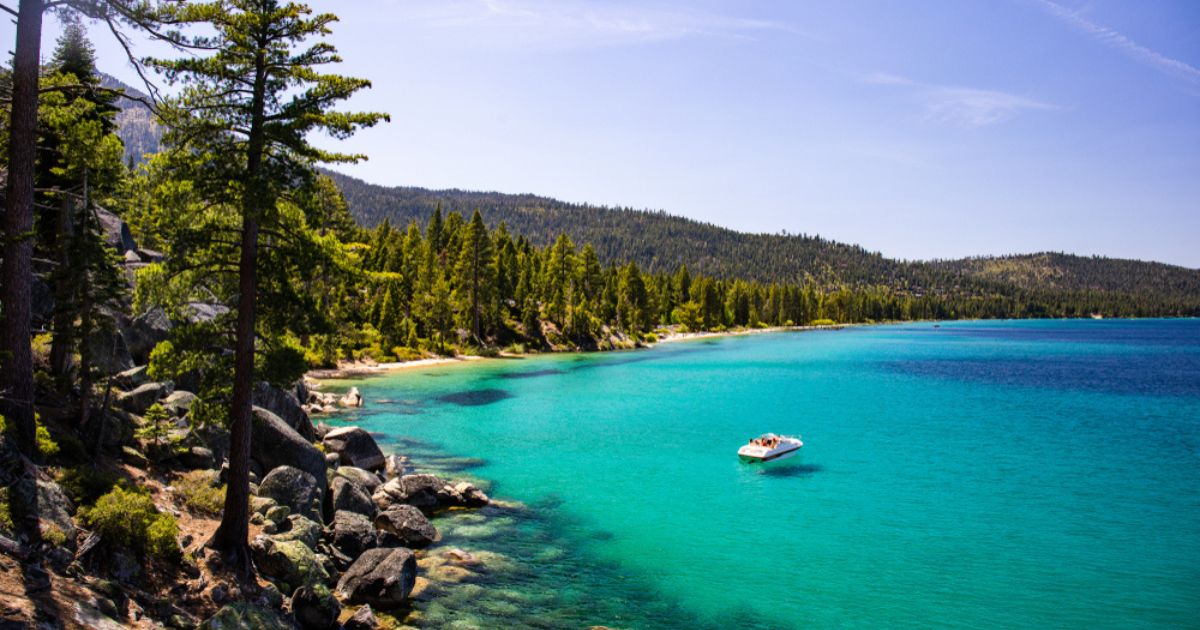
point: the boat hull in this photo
(773, 457)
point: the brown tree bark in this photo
(231, 537)
(16, 272)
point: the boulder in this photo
(202, 312)
(294, 488)
(348, 496)
(284, 405)
(288, 562)
(197, 458)
(362, 619)
(364, 479)
(300, 528)
(428, 492)
(355, 446)
(179, 403)
(352, 398)
(471, 496)
(315, 608)
(407, 524)
(351, 533)
(140, 399)
(382, 578)
(144, 332)
(273, 443)
(116, 232)
(55, 509)
(132, 378)
(395, 465)
(243, 616)
(108, 350)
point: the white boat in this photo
(769, 447)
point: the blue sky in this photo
(918, 129)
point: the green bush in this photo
(46, 444)
(403, 353)
(822, 322)
(129, 519)
(86, 483)
(200, 492)
(6, 520)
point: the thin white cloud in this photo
(961, 106)
(577, 24)
(1116, 40)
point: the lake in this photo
(970, 474)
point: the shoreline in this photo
(357, 369)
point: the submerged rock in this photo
(355, 446)
(382, 578)
(407, 524)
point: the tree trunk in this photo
(60, 345)
(16, 272)
(232, 535)
(85, 328)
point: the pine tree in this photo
(475, 275)
(252, 96)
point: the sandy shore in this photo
(673, 337)
(356, 369)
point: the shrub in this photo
(41, 350)
(129, 519)
(200, 492)
(650, 338)
(52, 534)
(86, 483)
(822, 322)
(45, 444)
(403, 353)
(6, 520)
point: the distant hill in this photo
(1050, 271)
(657, 241)
(661, 242)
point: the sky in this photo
(930, 129)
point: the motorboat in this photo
(769, 447)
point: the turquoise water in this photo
(979, 474)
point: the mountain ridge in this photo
(659, 241)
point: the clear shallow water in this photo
(980, 474)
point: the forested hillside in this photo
(656, 241)
(661, 242)
(1056, 271)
